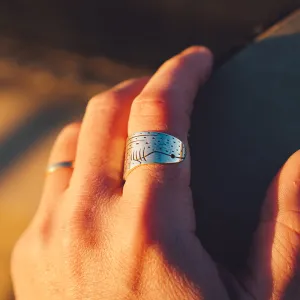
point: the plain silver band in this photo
(151, 147)
(60, 165)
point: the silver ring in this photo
(150, 147)
(60, 165)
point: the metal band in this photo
(148, 147)
(64, 164)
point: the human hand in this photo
(94, 237)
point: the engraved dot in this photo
(137, 143)
(172, 155)
(144, 137)
(149, 147)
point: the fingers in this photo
(64, 150)
(101, 146)
(275, 258)
(165, 105)
(56, 183)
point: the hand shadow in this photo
(245, 125)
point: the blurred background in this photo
(55, 55)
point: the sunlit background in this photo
(54, 56)
(38, 97)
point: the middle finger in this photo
(100, 153)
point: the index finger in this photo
(165, 105)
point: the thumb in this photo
(274, 263)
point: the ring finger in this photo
(64, 151)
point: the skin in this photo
(94, 237)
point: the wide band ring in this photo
(146, 147)
(60, 165)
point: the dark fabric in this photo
(140, 32)
(245, 125)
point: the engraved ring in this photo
(60, 165)
(150, 147)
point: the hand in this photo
(94, 237)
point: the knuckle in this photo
(145, 106)
(71, 128)
(95, 102)
(162, 105)
(162, 98)
(104, 101)
(168, 94)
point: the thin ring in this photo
(60, 165)
(151, 147)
